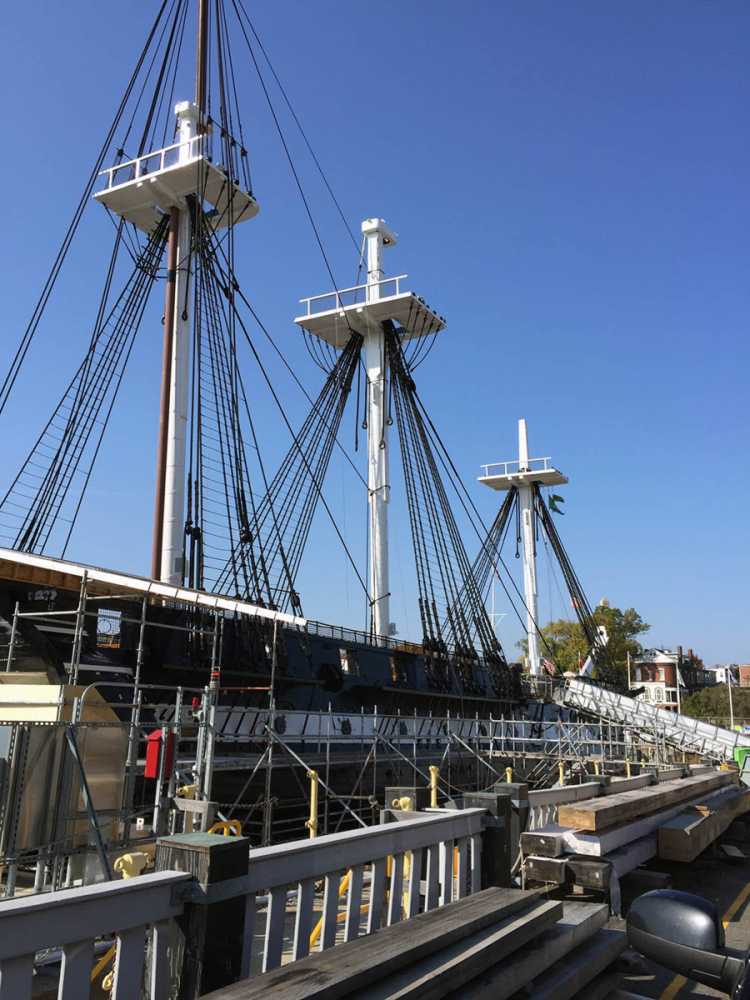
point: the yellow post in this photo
(312, 823)
(627, 768)
(509, 774)
(561, 772)
(434, 775)
(596, 768)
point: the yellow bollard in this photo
(434, 775)
(561, 772)
(404, 804)
(509, 774)
(227, 827)
(596, 768)
(627, 768)
(312, 823)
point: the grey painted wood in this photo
(432, 887)
(445, 851)
(16, 977)
(462, 887)
(413, 884)
(274, 937)
(579, 922)
(75, 970)
(55, 919)
(571, 974)
(353, 905)
(303, 921)
(159, 972)
(330, 911)
(452, 967)
(352, 967)
(293, 862)
(129, 958)
(395, 893)
(247, 935)
(475, 866)
(377, 888)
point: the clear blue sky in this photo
(569, 182)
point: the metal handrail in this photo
(337, 294)
(514, 466)
(138, 163)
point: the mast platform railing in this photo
(356, 295)
(154, 162)
(514, 467)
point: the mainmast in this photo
(178, 181)
(522, 475)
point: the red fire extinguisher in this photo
(155, 745)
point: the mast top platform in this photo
(142, 190)
(364, 308)
(523, 471)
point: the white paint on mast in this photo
(526, 506)
(378, 236)
(173, 535)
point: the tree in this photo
(713, 703)
(565, 643)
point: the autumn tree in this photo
(565, 643)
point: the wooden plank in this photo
(602, 987)
(688, 834)
(579, 922)
(599, 814)
(544, 843)
(553, 870)
(353, 904)
(75, 970)
(350, 967)
(606, 841)
(303, 919)
(452, 967)
(571, 974)
(591, 873)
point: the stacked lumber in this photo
(597, 840)
(688, 834)
(490, 944)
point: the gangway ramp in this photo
(680, 731)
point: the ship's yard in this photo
(206, 791)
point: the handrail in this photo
(339, 292)
(73, 918)
(514, 466)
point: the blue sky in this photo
(569, 182)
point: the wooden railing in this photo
(393, 871)
(73, 918)
(370, 878)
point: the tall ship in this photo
(215, 685)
